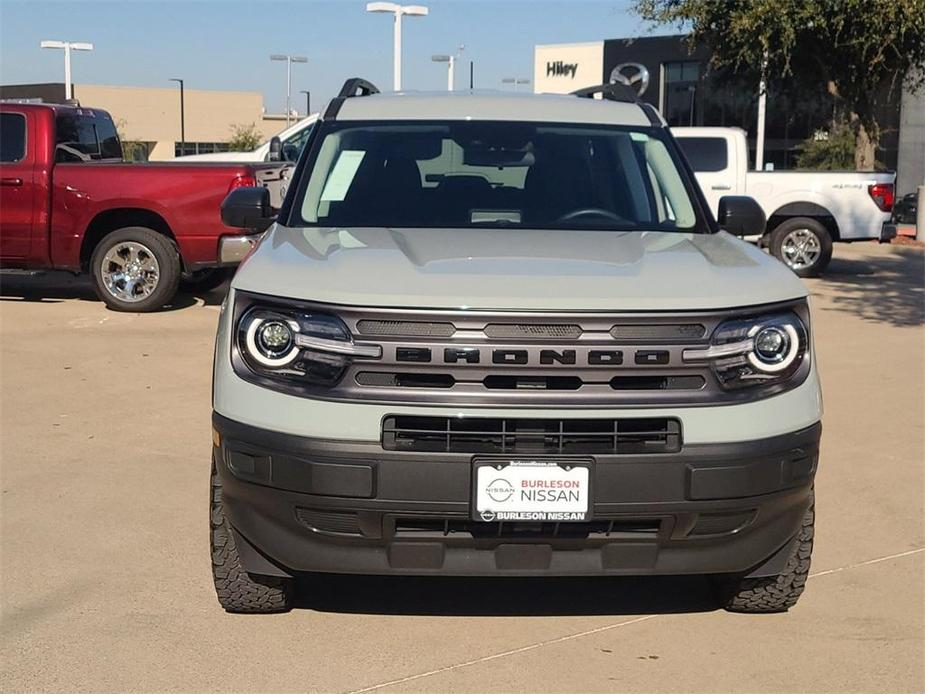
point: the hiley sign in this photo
(560, 69)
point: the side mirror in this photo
(276, 149)
(290, 152)
(248, 208)
(740, 215)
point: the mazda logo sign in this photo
(633, 75)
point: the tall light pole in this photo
(182, 116)
(450, 60)
(515, 81)
(398, 11)
(308, 101)
(68, 46)
(289, 60)
(762, 108)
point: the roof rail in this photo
(349, 91)
(613, 91)
(616, 91)
(357, 83)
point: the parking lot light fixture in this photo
(289, 60)
(182, 116)
(398, 11)
(68, 46)
(450, 60)
(515, 81)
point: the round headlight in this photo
(775, 347)
(274, 338)
(771, 345)
(271, 342)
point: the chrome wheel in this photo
(801, 249)
(129, 271)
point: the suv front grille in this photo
(528, 359)
(531, 436)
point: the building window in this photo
(682, 82)
(199, 148)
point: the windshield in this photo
(495, 174)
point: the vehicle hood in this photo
(515, 269)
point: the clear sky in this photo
(226, 44)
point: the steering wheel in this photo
(591, 211)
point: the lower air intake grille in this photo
(433, 527)
(532, 436)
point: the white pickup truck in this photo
(292, 140)
(806, 210)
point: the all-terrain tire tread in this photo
(778, 593)
(237, 590)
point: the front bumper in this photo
(233, 249)
(307, 504)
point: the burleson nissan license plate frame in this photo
(569, 468)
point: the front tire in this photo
(775, 593)
(802, 244)
(135, 269)
(237, 590)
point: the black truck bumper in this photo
(301, 504)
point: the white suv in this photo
(502, 335)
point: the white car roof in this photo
(491, 105)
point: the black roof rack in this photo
(348, 91)
(612, 91)
(615, 91)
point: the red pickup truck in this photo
(68, 202)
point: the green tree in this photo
(830, 150)
(862, 50)
(244, 138)
(132, 150)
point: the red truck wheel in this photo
(135, 269)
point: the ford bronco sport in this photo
(502, 335)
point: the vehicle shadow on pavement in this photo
(888, 289)
(55, 287)
(507, 597)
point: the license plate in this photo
(531, 490)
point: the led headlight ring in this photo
(254, 351)
(793, 348)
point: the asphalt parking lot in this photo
(104, 423)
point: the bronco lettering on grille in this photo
(547, 357)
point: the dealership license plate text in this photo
(530, 490)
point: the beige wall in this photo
(152, 114)
(586, 58)
(273, 124)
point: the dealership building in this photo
(150, 116)
(687, 92)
